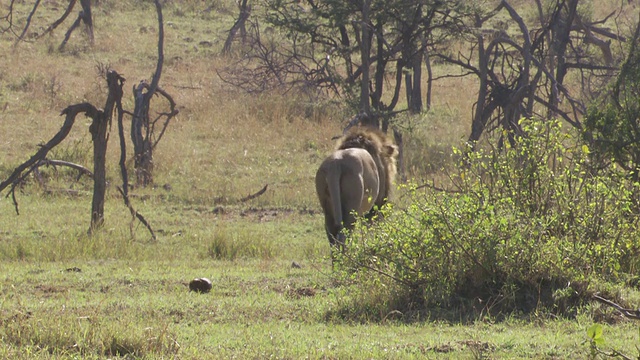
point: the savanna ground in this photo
(67, 295)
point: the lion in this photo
(355, 180)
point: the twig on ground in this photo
(253, 196)
(629, 313)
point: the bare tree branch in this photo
(8, 18)
(630, 313)
(84, 16)
(160, 62)
(239, 25)
(168, 116)
(253, 196)
(62, 18)
(604, 46)
(70, 112)
(26, 26)
(19, 173)
(81, 169)
(141, 126)
(136, 215)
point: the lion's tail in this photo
(333, 182)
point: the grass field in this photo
(120, 294)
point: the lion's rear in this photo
(351, 180)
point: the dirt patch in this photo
(49, 290)
(301, 292)
(293, 291)
(260, 214)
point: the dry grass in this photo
(223, 144)
(227, 144)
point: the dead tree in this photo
(143, 127)
(99, 129)
(26, 26)
(7, 19)
(101, 121)
(238, 26)
(524, 76)
(99, 126)
(84, 16)
(19, 173)
(62, 18)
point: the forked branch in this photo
(70, 112)
(629, 313)
(26, 26)
(62, 18)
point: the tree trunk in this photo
(560, 31)
(143, 153)
(415, 106)
(99, 135)
(427, 62)
(239, 25)
(365, 53)
(98, 131)
(378, 78)
(142, 143)
(479, 117)
(85, 17)
(412, 60)
(408, 89)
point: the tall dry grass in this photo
(224, 144)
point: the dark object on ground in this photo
(295, 265)
(201, 285)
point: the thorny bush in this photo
(522, 229)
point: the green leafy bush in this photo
(612, 127)
(523, 229)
